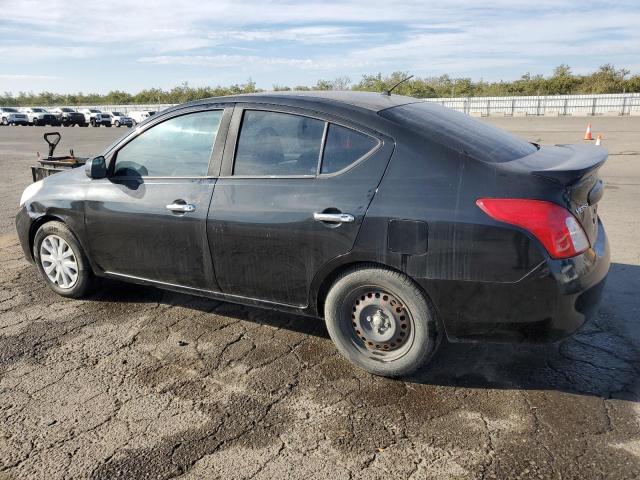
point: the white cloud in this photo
(326, 38)
(250, 62)
(20, 76)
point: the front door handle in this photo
(181, 207)
(333, 217)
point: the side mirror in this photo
(96, 167)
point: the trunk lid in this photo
(574, 168)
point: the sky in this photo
(67, 46)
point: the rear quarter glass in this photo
(460, 132)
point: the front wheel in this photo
(381, 321)
(61, 261)
(117, 123)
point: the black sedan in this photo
(398, 221)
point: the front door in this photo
(147, 220)
(293, 192)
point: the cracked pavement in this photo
(135, 382)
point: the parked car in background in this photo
(40, 116)
(119, 118)
(139, 116)
(11, 116)
(95, 117)
(397, 220)
(68, 117)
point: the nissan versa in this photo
(397, 220)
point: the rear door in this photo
(292, 194)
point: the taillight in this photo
(555, 227)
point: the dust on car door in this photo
(292, 194)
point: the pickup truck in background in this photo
(95, 117)
(11, 116)
(119, 118)
(140, 115)
(40, 116)
(68, 117)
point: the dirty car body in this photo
(501, 236)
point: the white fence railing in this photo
(556, 105)
(575, 105)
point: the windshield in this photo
(94, 111)
(116, 114)
(39, 110)
(456, 130)
(11, 110)
(67, 109)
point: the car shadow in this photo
(602, 359)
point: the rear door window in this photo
(278, 144)
(344, 147)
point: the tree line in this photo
(607, 79)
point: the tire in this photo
(117, 123)
(381, 321)
(93, 123)
(5, 122)
(50, 233)
(133, 123)
(35, 122)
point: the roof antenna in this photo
(388, 92)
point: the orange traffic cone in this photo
(587, 134)
(598, 139)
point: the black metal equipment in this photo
(50, 165)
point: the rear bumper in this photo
(549, 304)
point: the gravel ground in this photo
(139, 383)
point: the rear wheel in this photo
(117, 123)
(61, 261)
(5, 122)
(381, 321)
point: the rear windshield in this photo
(459, 131)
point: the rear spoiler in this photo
(563, 164)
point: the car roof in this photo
(372, 101)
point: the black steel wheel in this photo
(381, 321)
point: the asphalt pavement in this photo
(135, 382)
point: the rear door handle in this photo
(333, 217)
(181, 207)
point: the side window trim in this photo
(229, 156)
(357, 161)
(215, 159)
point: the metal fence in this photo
(556, 105)
(126, 108)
